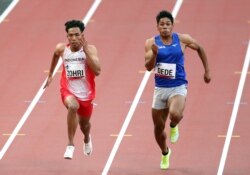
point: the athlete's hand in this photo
(154, 48)
(207, 77)
(49, 80)
(84, 43)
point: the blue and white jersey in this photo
(169, 67)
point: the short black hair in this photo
(164, 14)
(74, 23)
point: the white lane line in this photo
(234, 112)
(41, 90)
(8, 10)
(133, 107)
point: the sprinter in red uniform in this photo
(80, 66)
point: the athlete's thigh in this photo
(177, 104)
(85, 110)
(71, 101)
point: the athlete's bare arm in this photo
(57, 54)
(188, 41)
(150, 53)
(91, 56)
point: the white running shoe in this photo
(69, 152)
(87, 147)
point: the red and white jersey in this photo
(77, 77)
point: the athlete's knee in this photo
(73, 107)
(175, 115)
(71, 104)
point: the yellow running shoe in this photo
(174, 134)
(165, 160)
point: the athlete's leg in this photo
(85, 126)
(72, 105)
(176, 107)
(159, 119)
(84, 113)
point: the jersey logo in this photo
(161, 47)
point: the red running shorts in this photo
(85, 107)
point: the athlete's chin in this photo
(75, 45)
(165, 34)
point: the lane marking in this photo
(47, 71)
(233, 136)
(235, 111)
(141, 71)
(125, 135)
(238, 72)
(241, 103)
(144, 71)
(176, 21)
(133, 106)
(6, 20)
(140, 102)
(91, 21)
(40, 101)
(41, 90)
(8, 10)
(8, 134)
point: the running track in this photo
(118, 29)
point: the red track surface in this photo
(119, 30)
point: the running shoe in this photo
(87, 147)
(174, 134)
(69, 152)
(165, 160)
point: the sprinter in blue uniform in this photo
(165, 54)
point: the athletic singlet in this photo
(77, 77)
(169, 66)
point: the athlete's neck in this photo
(166, 39)
(75, 49)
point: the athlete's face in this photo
(165, 27)
(74, 36)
